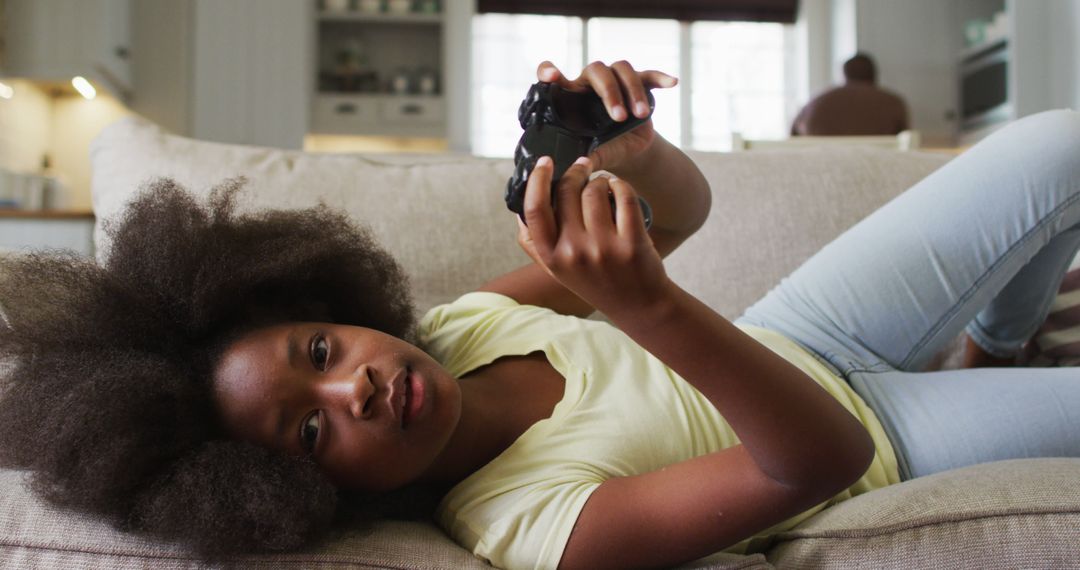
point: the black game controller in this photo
(564, 125)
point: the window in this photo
(647, 44)
(734, 76)
(741, 73)
(506, 50)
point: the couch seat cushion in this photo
(37, 535)
(1022, 513)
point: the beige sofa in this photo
(444, 219)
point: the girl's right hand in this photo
(606, 258)
(623, 91)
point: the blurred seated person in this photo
(858, 107)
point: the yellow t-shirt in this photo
(623, 413)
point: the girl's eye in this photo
(309, 432)
(320, 352)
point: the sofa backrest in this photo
(444, 219)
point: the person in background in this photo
(858, 107)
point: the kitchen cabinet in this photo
(52, 41)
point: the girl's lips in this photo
(414, 398)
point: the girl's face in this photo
(372, 410)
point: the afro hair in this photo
(109, 398)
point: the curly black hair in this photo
(109, 399)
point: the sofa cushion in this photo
(37, 535)
(1007, 514)
(414, 207)
(1057, 342)
(445, 220)
(773, 209)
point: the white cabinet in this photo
(379, 71)
(55, 40)
(250, 70)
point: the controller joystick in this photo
(564, 125)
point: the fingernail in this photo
(641, 108)
(543, 161)
(584, 161)
(618, 113)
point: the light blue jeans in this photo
(983, 244)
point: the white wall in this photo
(252, 71)
(161, 57)
(913, 44)
(1046, 54)
(911, 40)
(76, 122)
(1075, 35)
(457, 69)
(1062, 53)
(843, 36)
(813, 31)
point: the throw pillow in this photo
(1057, 342)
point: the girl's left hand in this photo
(604, 257)
(622, 89)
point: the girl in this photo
(231, 382)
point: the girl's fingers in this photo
(629, 221)
(632, 87)
(568, 194)
(537, 205)
(603, 81)
(620, 87)
(526, 242)
(548, 73)
(596, 207)
(653, 78)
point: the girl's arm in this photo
(799, 446)
(662, 174)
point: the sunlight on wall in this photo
(75, 123)
(23, 141)
(35, 123)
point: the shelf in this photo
(381, 18)
(978, 49)
(360, 56)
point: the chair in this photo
(905, 140)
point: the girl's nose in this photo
(363, 394)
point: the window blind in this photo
(780, 11)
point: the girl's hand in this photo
(623, 91)
(605, 258)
